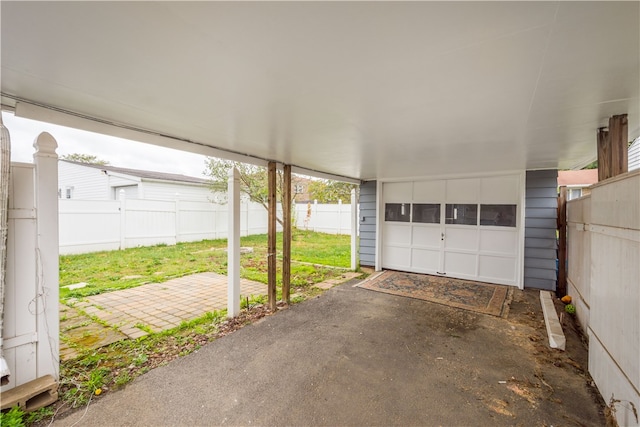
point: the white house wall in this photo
(157, 190)
(88, 183)
(634, 155)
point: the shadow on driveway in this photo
(356, 357)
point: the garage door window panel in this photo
(397, 212)
(498, 215)
(426, 213)
(462, 214)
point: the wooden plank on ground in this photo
(33, 395)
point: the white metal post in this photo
(354, 231)
(177, 217)
(123, 214)
(48, 318)
(339, 216)
(315, 215)
(233, 245)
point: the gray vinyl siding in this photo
(368, 223)
(540, 245)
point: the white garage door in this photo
(464, 228)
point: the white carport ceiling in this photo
(362, 90)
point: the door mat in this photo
(465, 294)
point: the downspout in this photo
(5, 173)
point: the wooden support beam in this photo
(604, 171)
(613, 155)
(619, 143)
(562, 243)
(286, 235)
(271, 239)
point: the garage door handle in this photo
(442, 236)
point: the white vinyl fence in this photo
(30, 336)
(324, 218)
(603, 233)
(104, 225)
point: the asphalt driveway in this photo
(358, 357)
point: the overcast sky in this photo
(117, 151)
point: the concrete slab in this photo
(355, 357)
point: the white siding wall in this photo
(634, 155)
(157, 190)
(89, 183)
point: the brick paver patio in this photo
(161, 306)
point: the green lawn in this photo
(113, 270)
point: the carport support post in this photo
(233, 245)
(562, 242)
(354, 230)
(613, 156)
(271, 239)
(619, 144)
(286, 235)
(603, 154)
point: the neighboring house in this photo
(99, 182)
(577, 182)
(634, 155)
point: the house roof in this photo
(368, 90)
(149, 175)
(582, 178)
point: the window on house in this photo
(461, 214)
(426, 213)
(398, 212)
(574, 193)
(499, 215)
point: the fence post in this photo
(315, 215)
(247, 216)
(339, 216)
(48, 318)
(354, 230)
(177, 217)
(123, 213)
